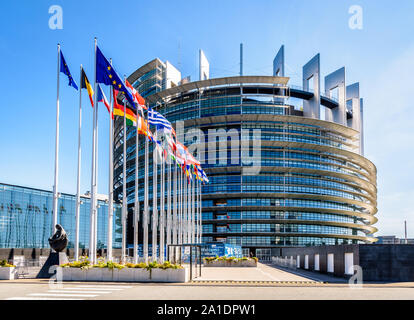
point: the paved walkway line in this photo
(62, 295)
(79, 291)
(40, 298)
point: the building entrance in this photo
(264, 255)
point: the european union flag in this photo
(106, 74)
(65, 69)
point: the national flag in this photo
(204, 176)
(137, 97)
(65, 70)
(115, 95)
(131, 118)
(181, 156)
(191, 160)
(106, 74)
(101, 98)
(157, 119)
(85, 84)
(142, 128)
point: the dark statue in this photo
(59, 240)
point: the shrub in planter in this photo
(5, 264)
(7, 270)
(229, 261)
(112, 271)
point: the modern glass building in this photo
(26, 218)
(286, 163)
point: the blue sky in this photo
(380, 57)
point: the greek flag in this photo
(157, 119)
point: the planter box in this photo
(7, 273)
(231, 264)
(170, 275)
(125, 275)
(141, 275)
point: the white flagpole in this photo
(154, 200)
(201, 212)
(111, 179)
(185, 208)
(146, 213)
(178, 205)
(189, 211)
(182, 207)
(197, 212)
(162, 207)
(193, 211)
(77, 210)
(97, 206)
(55, 184)
(169, 202)
(93, 173)
(136, 206)
(180, 214)
(124, 194)
(174, 234)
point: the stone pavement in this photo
(263, 273)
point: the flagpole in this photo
(124, 195)
(146, 213)
(162, 207)
(180, 202)
(189, 209)
(201, 212)
(174, 233)
(169, 202)
(55, 184)
(185, 207)
(196, 211)
(192, 211)
(77, 211)
(95, 216)
(181, 207)
(154, 200)
(93, 172)
(111, 178)
(136, 206)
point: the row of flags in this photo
(106, 74)
(126, 102)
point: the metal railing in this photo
(28, 268)
(284, 262)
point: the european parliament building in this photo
(306, 183)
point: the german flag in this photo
(131, 118)
(85, 84)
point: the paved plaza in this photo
(262, 283)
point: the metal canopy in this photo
(196, 85)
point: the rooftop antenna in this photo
(241, 59)
(179, 55)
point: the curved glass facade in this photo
(312, 186)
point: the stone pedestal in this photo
(54, 259)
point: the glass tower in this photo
(307, 181)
